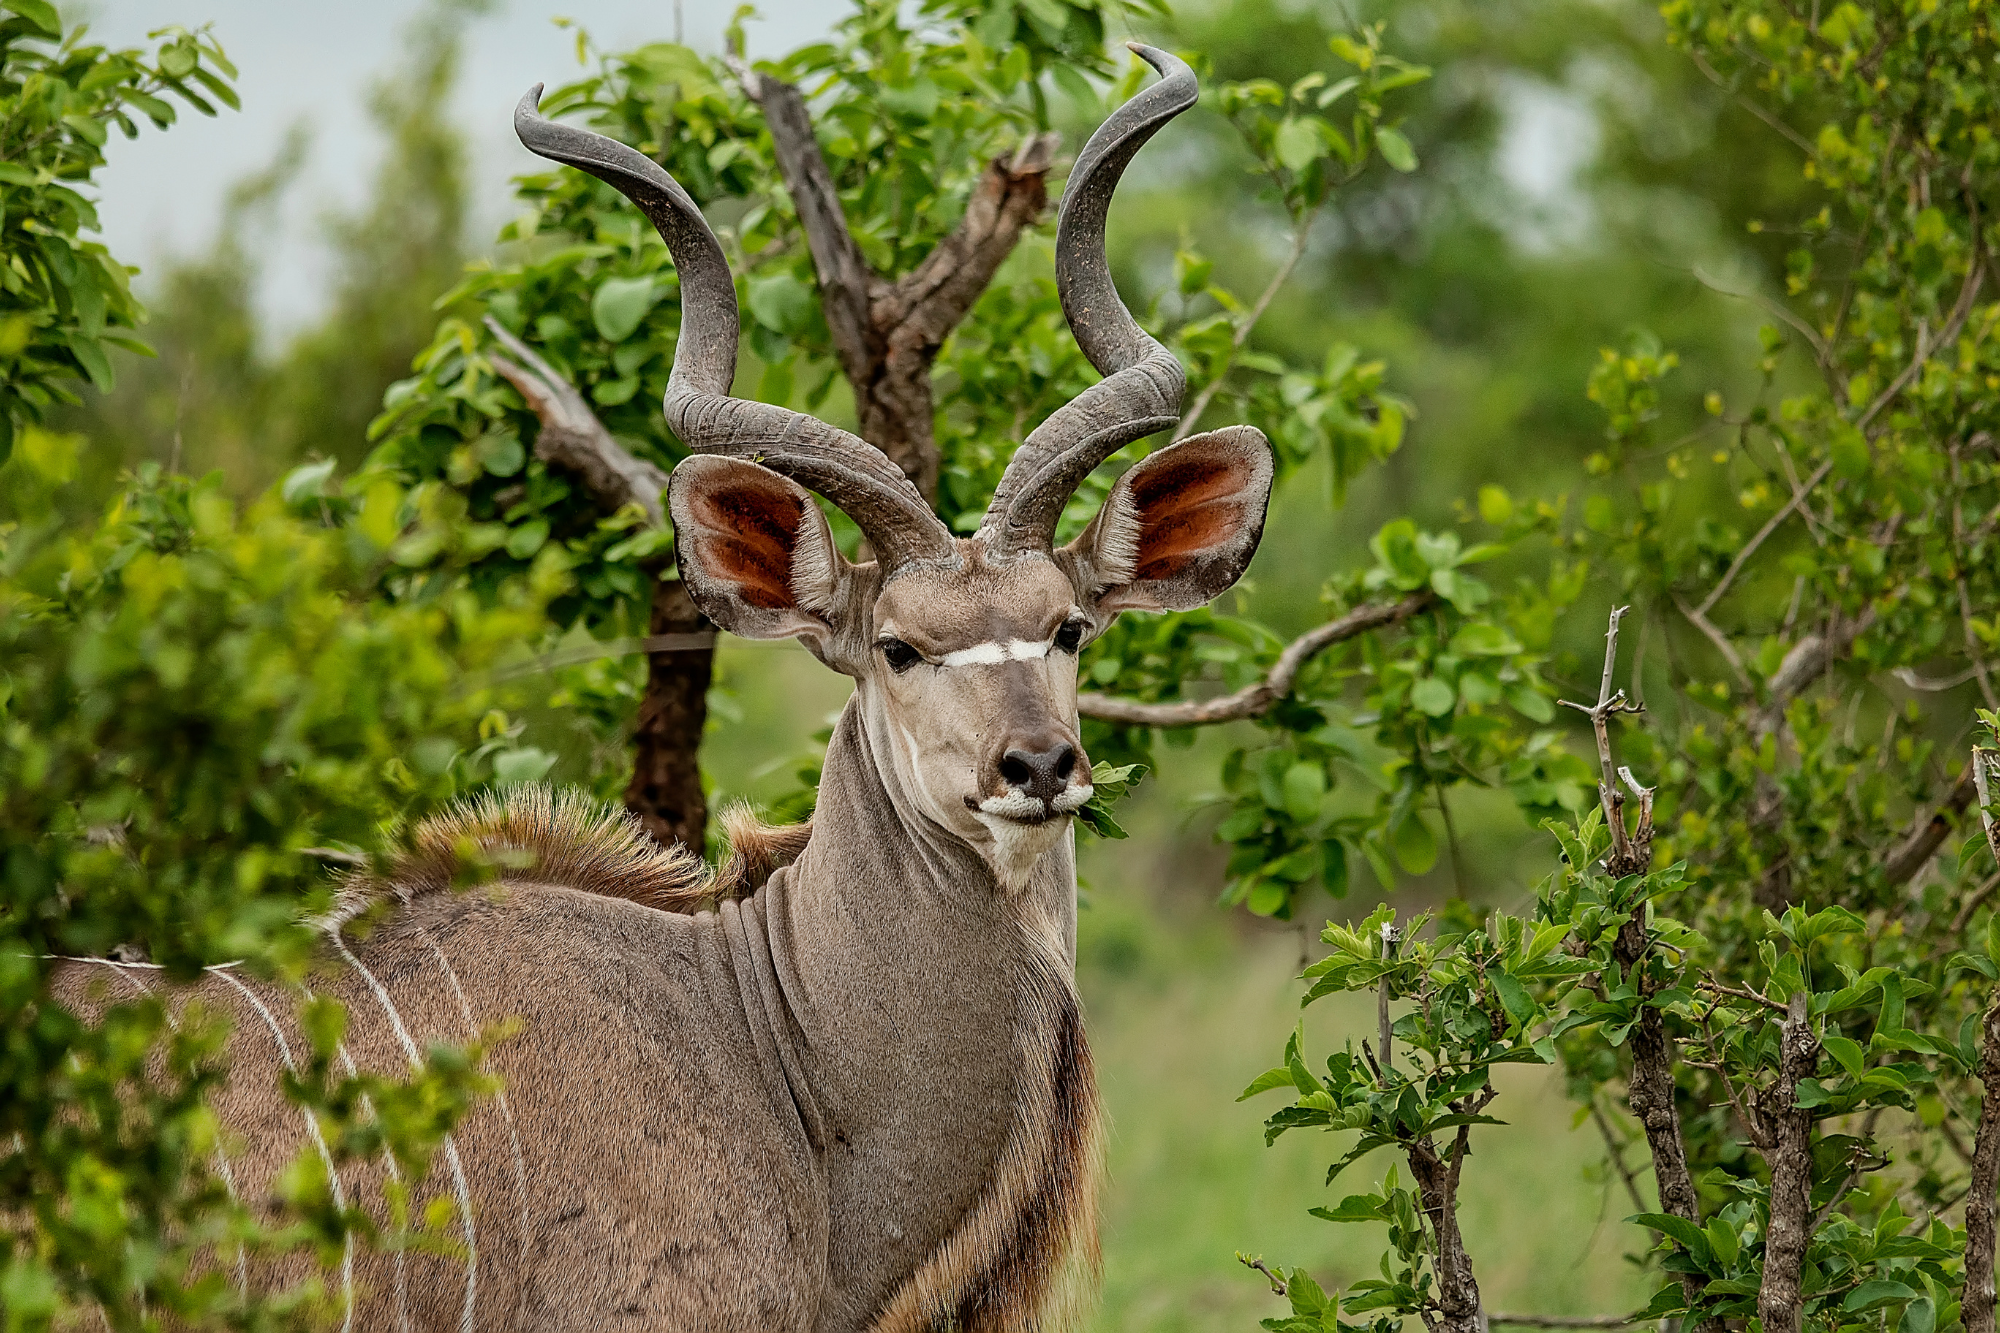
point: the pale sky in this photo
(162, 193)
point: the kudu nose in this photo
(1042, 774)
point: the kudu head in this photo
(964, 650)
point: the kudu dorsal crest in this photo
(859, 1096)
(964, 648)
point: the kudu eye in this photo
(1070, 637)
(899, 655)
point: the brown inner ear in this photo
(751, 532)
(1187, 507)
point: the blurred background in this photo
(1582, 187)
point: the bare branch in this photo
(1253, 700)
(847, 285)
(1780, 1300)
(1750, 548)
(1709, 72)
(1979, 1199)
(1981, 760)
(1922, 842)
(1244, 326)
(1715, 636)
(1623, 859)
(1963, 916)
(1617, 1152)
(1755, 997)
(573, 438)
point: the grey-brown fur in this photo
(843, 1086)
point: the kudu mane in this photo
(538, 835)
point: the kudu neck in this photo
(923, 1000)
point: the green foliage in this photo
(64, 301)
(193, 697)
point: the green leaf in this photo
(1919, 1316)
(1433, 696)
(1396, 150)
(781, 302)
(1679, 1229)
(1514, 997)
(1281, 1077)
(1415, 845)
(1298, 144)
(527, 764)
(1304, 788)
(1878, 1292)
(1846, 1051)
(620, 305)
(40, 13)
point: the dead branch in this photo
(1622, 861)
(1494, 1320)
(1617, 1152)
(888, 334)
(1649, 1087)
(1389, 938)
(1923, 840)
(573, 438)
(1254, 700)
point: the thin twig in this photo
(1750, 548)
(1301, 236)
(1278, 1287)
(1253, 700)
(1798, 140)
(1701, 622)
(1617, 1151)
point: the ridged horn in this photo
(843, 467)
(1142, 385)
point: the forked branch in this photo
(1256, 699)
(573, 438)
(888, 334)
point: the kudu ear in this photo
(755, 551)
(1179, 528)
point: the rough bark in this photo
(887, 334)
(1979, 1199)
(665, 791)
(1437, 1195)
(1789, 1156)
(1649, 1091)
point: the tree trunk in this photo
(1779, 1299)
(1979, 1199)
(1437, 1194)
(665, 791)
(1649, 1091)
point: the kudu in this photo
(858, 1097)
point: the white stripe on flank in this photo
(389, 1161)
(221, 1158)
(450, 1145)
(499, 1097)
(319, 1141)
(992, 654)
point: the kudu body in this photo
(859, 1097)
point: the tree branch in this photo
(573, 438)
(1779, 1298)
(1253, 700)
(885, 335)
(1494, 1320)
(847, 285)
(1302, 235)
(1922, 842)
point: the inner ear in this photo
(1180, 527)
(755, 551)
